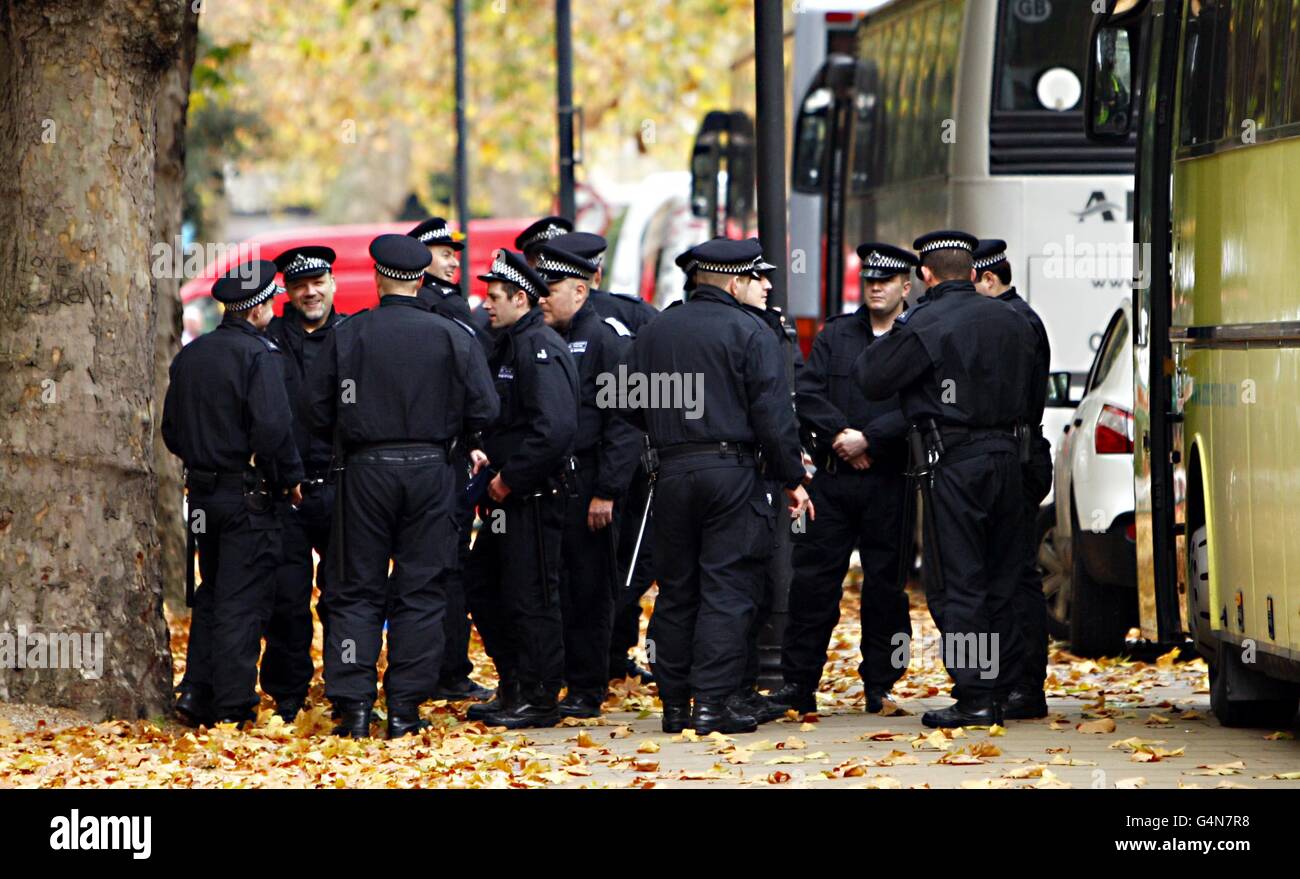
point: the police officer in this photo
(516, 559)
(861, 457)
(394, 386)
(993, 278)
(607, 449)
(530, 241)
(961, 364)
(715, 529)
(443, 296)
(632, 313)
(227, 417)
(300, 334)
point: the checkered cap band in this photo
(947, 244)
(878, 260)
(989, 261)
(303, 264)
(548, 265)
(725, 268)
(256, 299)
(397, 274)
(440, 234)
(505, 270)
(551, 231)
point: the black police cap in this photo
(246, 285)
(543, 230)
(298, 263)
(587, 245)
(511, 268)
(947, 239)
(881, 261)
(554, 263)
(435, 232)
(989, 253)
(724, 256)
(400, 257)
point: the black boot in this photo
(629, 669)
(1026, 704)
(194, 707)
(536, 707)
(354, 720)
(876, 699)
(579, 704)
(404, 719)
(968, 712)
(507, 695)
(718, 715)
(801, 699)
(288, 708)
(764, 709)
(677, 716)
(463, 690)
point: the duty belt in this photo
(725, 449)
(435, 450)
(208, 481)
(956, 436)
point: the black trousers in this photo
(862, 509)
(238, 554)
(287, 665)
(456, 666)
(588, 587)
(627, 604)
(398, 504)
(975, 527)
(764, 597)
(514, 599)
(712, 541)
(1030, 603)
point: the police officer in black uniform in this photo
(516, 559)
(443, 296)
(227, 416)
(300, 334)
(631, 313)
(395, 386)
(860, 452)
(606, 450)
(993, 278)
(961, 365)
(715, 528)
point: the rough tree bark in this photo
(169, 189)
(79, 94)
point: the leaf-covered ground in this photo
(1115, 723)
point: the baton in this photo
(640, 535)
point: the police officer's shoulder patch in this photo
(464, 326)
(542, 355)
(909, 313)
(619, 326)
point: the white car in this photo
(1087, 550)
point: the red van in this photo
(354, 271)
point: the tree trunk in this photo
(169, 189)
(79, 93)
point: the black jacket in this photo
(598, 347)
(537, 381)
(399, 374)
(631, 311)
(829, 400)
(301, 349)
(733, 361)
(226, 401)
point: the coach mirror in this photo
(1059, 392)
(706, 163)
(1111, 100)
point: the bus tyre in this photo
(1241, 696)
(1053, 566)
(1099, 613)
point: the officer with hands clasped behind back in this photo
(716, 519)
(860, 451)
(395, 386)
(515, 565)
(993, 279)
(227, 417)
(300, 333)
(961, 365)
(607, 450)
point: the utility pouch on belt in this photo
(1026, 438)
(201, 481)
(257, 495)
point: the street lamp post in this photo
(462, 166)
(564, 106)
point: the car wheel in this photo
(1053, 565)
(1099, 612)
